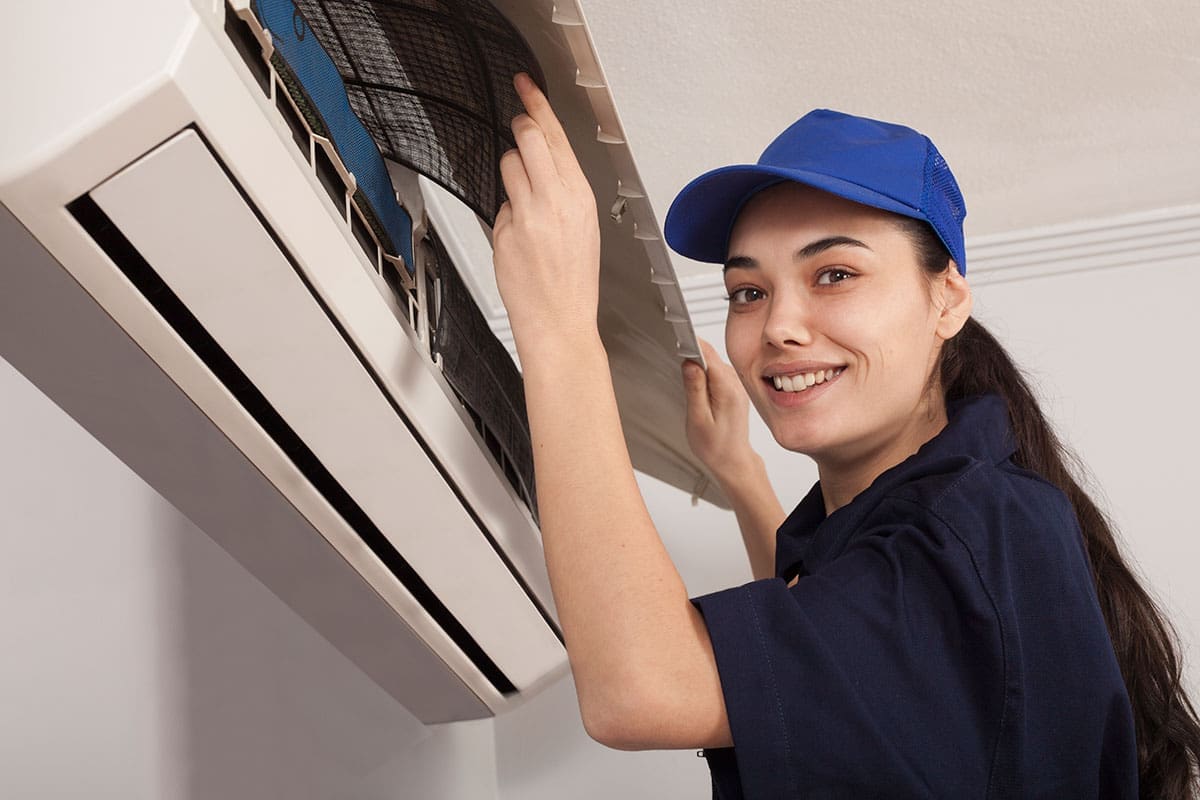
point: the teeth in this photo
(798, 383)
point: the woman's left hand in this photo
(546, 237)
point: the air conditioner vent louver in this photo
(175, 313)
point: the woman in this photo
(930, 621)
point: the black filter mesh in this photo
(432, 82)
(483, 374)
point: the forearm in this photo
(758, 511)
(719, 434)
(632, 634)
(643, 663)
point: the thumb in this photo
(695, 385)
(727, 398)
(711, 356)
(720, 375)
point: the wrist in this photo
(741, 473)
(559, 351)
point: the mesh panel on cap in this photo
(432, 82)
(943, 204)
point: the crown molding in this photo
(1096, 244)
(1122, 241)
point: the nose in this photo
(788, 322)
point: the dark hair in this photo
(1146, 645)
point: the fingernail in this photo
(521, 80)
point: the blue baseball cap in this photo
(875, 163)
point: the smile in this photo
(801, 381)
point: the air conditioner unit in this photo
(187, 272)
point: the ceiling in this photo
(1048, 112)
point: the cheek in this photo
(907, 342)
(885, 339)
(741, 343)
(857, 330)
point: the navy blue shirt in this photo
(943, 640)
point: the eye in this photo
(745, 296)
(833, 275)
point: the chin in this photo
(801, 438)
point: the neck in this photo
(845, 475)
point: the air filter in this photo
(432, 82)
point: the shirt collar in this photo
(978, 428)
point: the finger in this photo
(718, 370)
(503, 216)
(724, 386)
(539, 110)
(515, 178)
(695, 387)
(535, 154)
(710, 352)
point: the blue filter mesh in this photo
(432, 81)
(324, 91)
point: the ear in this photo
(956, 303)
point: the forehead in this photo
(787, 212)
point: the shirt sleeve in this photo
(880, 674)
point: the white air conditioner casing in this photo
(352, 483)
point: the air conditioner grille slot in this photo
(482, 372)
(249, 49)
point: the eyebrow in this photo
(808, 251)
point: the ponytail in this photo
(1146, 646)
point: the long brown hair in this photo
(1146, 645)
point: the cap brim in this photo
(701, 218)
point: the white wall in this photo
(84, 682)
(142, 661)
(1111, 351)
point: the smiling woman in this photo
(946, 613)
(821, 285)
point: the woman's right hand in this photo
(718, 417)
